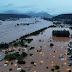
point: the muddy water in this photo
(46, 58)
(8, 31)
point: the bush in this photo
(10, 69)
(31, 54)
(20, 58)
(51, 44)
(15, 56)
(52, 69)
(39, 50)
(4, 46)
(22, 71)
(69, 65)
(24, 54)
(57, 67)
(47, 67)
(69, 70)
(21, 62)
(10, 57)
(31, 48)
(6, 52)
(11, 63)
(28, 40)
(32, 62)
(58, 71)
(59, 33)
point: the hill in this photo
(63, 16)
(7, 16)
(40, 14)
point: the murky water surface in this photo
(49, 57)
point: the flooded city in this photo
(35, 35)
(41, 56)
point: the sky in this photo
(52, 7)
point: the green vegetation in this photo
(51, 44)
(47, 67)
(6, 52)
(10, 57)
(71, 28)
(32, 62)
(22, 71)
(68, 22)
(31, 48)
(4, 46)
(52, 69)
(69, 71)
(56, 23)
(59, 33)
(20, 58)
(57, 67)
(28, 40)
(58, 71)
(39, 50)
(69, 65)
(10, 69)
(31, 54)
(11, 63)
(15, 56)
(68, 53)
(21, 62)
(51, 26)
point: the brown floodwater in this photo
(49, 57)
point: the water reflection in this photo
(60, 39)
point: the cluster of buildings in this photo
(69, 53)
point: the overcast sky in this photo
(49, 6)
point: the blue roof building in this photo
(2, 57)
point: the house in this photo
(3, 50)
(69, 50)
(70, 62)
(2, 57)
(5, 64)
(62, 58)
(24, 50)
(70, 44)
(19, 67)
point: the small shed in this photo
(19, 67)
(5, 64)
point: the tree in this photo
(69, 70)
(51, 44)
(32, 62)
(22, 71)
(52, 69)
(57, 67)
(21, 62)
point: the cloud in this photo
(11, 11)
(9, 5)
(50, 6)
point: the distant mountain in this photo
(11, 12)
(7, 16)
(63, 16)
(40, 14)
